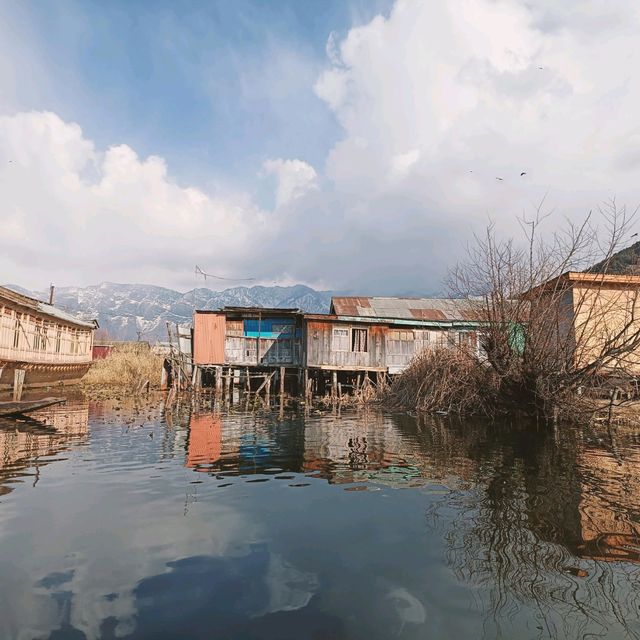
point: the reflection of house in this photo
(359, 336)
(609, 505)
(205, 439)
(48, 344)
(25, 447)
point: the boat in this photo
(8, 409)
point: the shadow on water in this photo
(184, 522)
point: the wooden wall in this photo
(27, 336)
(209, 338)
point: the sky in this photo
(349, 145)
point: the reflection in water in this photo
(31, 442)
(172, 523)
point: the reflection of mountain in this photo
(29, 444)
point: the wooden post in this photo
(268, 386)
(340, 390)
(195, 379)
(282, 373)
(248, 379)
(18, 383)
(218, 380)
(334, 384)
(305, 378)
(228, 383)
(163, 377)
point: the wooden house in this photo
(359, 338)
(248, 337)
(591, 316)
(41, 345)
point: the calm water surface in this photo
(125, 520)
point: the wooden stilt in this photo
(247, 379)
(18, 383)
(334, 384)
(218, 380)
(282, 374)
(163, 377)
(268, 385)
(228, 383)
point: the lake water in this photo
(126, 520)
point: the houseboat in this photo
(41, 345)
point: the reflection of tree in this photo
(518, 535)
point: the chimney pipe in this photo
(51, 290)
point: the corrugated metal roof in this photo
(432, 309)
(43, 307)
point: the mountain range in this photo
(140, 311)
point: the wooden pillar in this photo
(282, 374)
(18, 383)
(268, 385)
(334, 384)
(163, 377)
(218, 380)
(305, 379)
(196, 377)
(228, 383)
(247, 379)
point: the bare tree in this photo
(554, 327)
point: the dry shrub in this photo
(444, 379)
(126, 366)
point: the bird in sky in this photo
(523, 173)
(497, 178)
(633, 235)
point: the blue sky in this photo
(347, 145)
(214, 87)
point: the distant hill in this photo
(625, 262)
(129, 311)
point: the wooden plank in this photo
(18, 383)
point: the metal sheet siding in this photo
(208, 338)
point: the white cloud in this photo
(435, 101)
(295, 178)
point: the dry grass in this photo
(443, 379)
(126, 366)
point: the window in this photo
(44, 337)
(340, 340)
(359, 340)
(58, 339)
(16, 332)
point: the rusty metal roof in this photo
(432, 309)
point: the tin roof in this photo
(429, 309)
(43, 308)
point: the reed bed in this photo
(126, 366)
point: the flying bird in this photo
(498, 178)
(633, 235)
(523, 173)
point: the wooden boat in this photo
(27, 406)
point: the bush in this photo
(127, 366)
(444, 379)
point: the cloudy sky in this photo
(349, 145)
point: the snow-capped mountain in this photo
(132, 311)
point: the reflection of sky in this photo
(120, 539)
